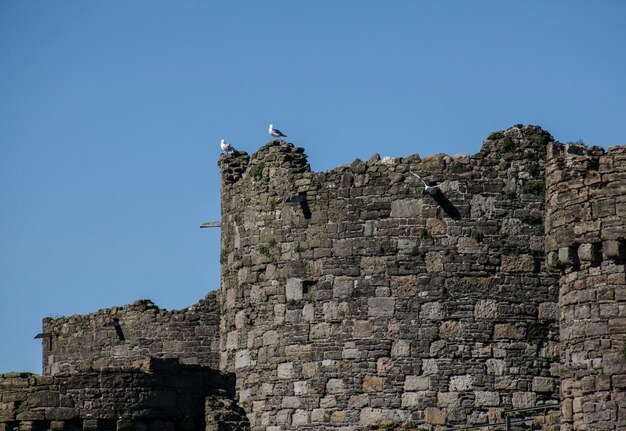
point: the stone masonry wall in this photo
(159, 395)
(120, 335)
(586, 241)
(352, 297)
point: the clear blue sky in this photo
(111, 114)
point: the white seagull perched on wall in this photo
(429, 189)
(225, 146)
(276, 133)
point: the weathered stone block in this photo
(589, 252)
(270, 338)
(285, 370)
(486, 309)
(434, 262)
(543, 384)
(372, 265)
(449, 400)
(548, 311)
(552, 260)
(328, 401)
(467, 245)
(362, 329)
(293, 289)
(461, 383)
(435, 416)
(300, 351)
(373, 384)
(619, 381)
(241, 319)
(370, 415)
(416, 383)
(507, 331)
(308, 313)
(319, 331)
(358, 401)
(401, 348)
(309, 370)
(568, 256)
(343, 287)
(290, 402)
(242, 358)
(521, 400)
(405, 286)
(343, 247)
(405, 208)
(450, 330)
(318, 415)
(603, 208)
(415, 399)
(429, 367)
(383, 365)
(517, 263)
(44, 399)
(432, 311)
(300, 417)
(486, 398)
(381, 307)
(435, 226)
(614, 250)
(335, 386)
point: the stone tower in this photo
(352, 297)
(586, 242)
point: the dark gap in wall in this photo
(73, 425)
(40, 426)
(120, 333)
(307, 285)
(107, 425)
(306, 211)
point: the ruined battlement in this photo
(586, 206)
(119, 336)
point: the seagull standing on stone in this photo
(429, 189)
(225, 146)
(276, 133)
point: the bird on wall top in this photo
(428, 188)
(275, 133)
(225, 146)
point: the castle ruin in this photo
(352, 300)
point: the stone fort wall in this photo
(586, 241)
(352, 297)
(156, 395)
(119, 336)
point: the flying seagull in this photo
(429, 189)
(276, 133)
(225, 146)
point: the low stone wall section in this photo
(160, 395)
(118, 336)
